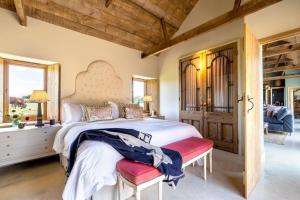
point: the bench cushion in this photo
(191, 147)
(135, 172)
(139, 173)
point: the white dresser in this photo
(18, 145)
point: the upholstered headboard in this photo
(98, 83)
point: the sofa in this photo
(279, 119)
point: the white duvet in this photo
(95, 164)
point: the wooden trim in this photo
(20, 9)
(281, 77)
(283, 50)
(279, 69)
(230, 16)
(280, 36)
(5, 90)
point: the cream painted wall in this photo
(73, 50)
(169, 60)
(275, 19)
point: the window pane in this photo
(22, 81)
(138, 92)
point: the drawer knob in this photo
(8, 154)
(45, 132)
(46, 147)
(45, 140)
(7, 145)
(8, 136)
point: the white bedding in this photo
(95, 164)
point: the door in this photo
(191, 90)
(253, 122)
(221, 110)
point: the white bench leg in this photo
(210, 161)
(120, 185)
(138, 194)
(160, 189)
(204, 167)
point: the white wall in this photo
(278, 18)
(73, 50)
(169, 60)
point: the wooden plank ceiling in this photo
(281, 59)
(137, 24)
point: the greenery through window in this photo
(138, 88)
(20, 80)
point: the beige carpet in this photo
(276, 138)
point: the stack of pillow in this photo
(107, 110)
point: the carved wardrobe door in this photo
(190, 92)
(220, 115)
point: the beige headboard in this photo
(98, 83)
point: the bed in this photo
(94, 173)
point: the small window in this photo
(138, 91)
(19, 79)
(22, 80)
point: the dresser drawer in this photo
(25, 152)
(47, 139)
(30, 133)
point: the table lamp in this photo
(39, 96)
(147, 100)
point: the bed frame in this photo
(98, 83)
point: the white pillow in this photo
(72, 112)
(115, 109)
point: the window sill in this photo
(7, 125)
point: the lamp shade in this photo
(147, 98)
(39, 96)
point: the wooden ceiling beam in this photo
(107, 3)
(236, 6)
(152, 7)
(164, 29)
(247, 8)
(282, 68)
(71, 15)
(282, 50)
(113, 16)
(274, 61)
(19, 5)
(281, 77)
(158, 18)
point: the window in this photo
(19, 80)
(138, 91)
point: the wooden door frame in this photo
(261, 42)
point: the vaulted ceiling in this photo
(138, 24)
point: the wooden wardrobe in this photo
(208, 95)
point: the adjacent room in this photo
(149, 99)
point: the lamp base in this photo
(39, 118)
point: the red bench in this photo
(140, 176)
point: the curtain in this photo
(220, 84)
(191, 88)
(220, 80)
(1, 90)
(152, 89)
(53, 92)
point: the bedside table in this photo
(19, 145)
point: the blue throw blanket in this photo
(133, 145)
